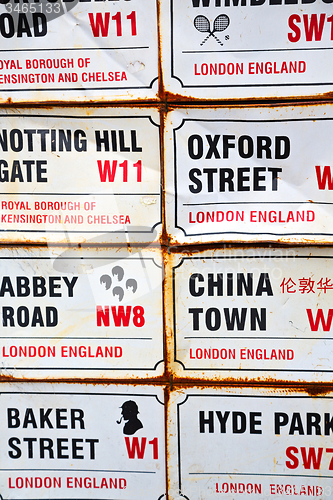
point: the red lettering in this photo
(313, 28)
(121, 318)
(297, 32)
(135, 448)
(330, 20)
(100, 24)
(294, 460)
(314, 324)
(138, 165)
(330, 450)
(103, 316)
(325, 177)
(154, 443)
(123, 165)
(132, 18)
(106, 171)
(138, 316)
(117, 18)
(311, 457)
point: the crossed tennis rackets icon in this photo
(202, 24)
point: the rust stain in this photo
(166, 438)
(89, 104)
(158, 381)
(271, 385)
(164, 235)
(328, 95)
(172, 384)
(284, 242)
(159, 42)
(191, 249)
(256, 103)
(168, 306)
(307, 100)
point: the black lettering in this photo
(195, 152)
(195, 312)
(61, 448)
(223, 420)
(12, 443)
(40, 24)
(30, 442)
(8, 316)
(328, 424)
(60, 418)
(198, 184)
(212, 143)
(29, 419)
(76, 448)
(264, 285)
(238, 422)
(51, 316)
(102, 141)
(282, 147)
(192, 285)
(206, 421)
(92, 443)
(280, 419)
(313, 420)
(13, 420)
(7, 28)
(37, 317)
(77, 416)
(254, 423)
(245, 142)
(79, 143)
(44, 418)
(296, 424)
(46, 444)
(218, 284)
(23, 26)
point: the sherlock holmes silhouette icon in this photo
(129, 413)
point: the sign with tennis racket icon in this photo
(203, 25)
(222, 49)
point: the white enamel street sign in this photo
(241, 49)
(234, 444)
(252, 314)
(250, 174)
(78, 50)
(62, 441)
(80, 175)
(81, 313)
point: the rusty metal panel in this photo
(81, 313)
(78, 51)
(217, 49)
(249, 174)
(80, 175)
(261, 443)
(258, 314)
(63, 441)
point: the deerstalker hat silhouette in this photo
(130, 405)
